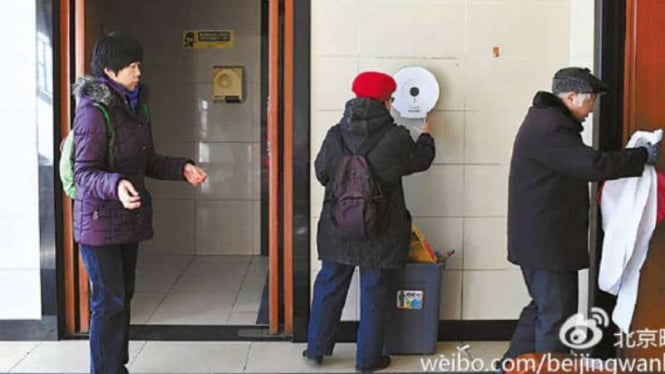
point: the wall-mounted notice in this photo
(199, 39)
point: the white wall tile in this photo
(583, 292)
(485, 244)
(479, 181)
(335, 28)
(581, 33)
(20, 77)
(314, 262)
(331, 82)
(438, 192)
(174, 222)
(161, 34)
(21, 292)
(493, 294)
(489, 138)
(19, 213)
(19, 248)
(450, 306)
(22, 17)
(444, 234)
(169, 121)
(399, 28)
(322, 121)
(233, 14)
(214, 121)
(504, 85)
(487, 27)
(228, 227)
(351, 311)
(234, 171)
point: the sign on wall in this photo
(200, 39)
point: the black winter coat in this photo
(393, 157)
(548, 198)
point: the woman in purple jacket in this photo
(113, 210)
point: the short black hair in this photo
(115, 51)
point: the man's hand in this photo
(653, 153)
(194, 174)
(128, 195)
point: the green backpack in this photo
(66, 164)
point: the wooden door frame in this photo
(76, 287)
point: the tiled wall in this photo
(461, 202)
(223, 215)
(20, 289)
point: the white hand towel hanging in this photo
(628, 208)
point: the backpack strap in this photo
(107, 119)
(146, 110)
(371, 142)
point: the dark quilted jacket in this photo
(395, 156)
(99, 217)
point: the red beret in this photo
(374, 85)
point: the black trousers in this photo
(554, 299)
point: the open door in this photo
(644, 110)
(77, 23)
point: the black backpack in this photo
(358, 209)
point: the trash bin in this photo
(412, 324)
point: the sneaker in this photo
(312, 360)
(383, 363)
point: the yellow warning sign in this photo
(198, 39)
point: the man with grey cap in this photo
(548, 203)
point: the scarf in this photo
(131, 97)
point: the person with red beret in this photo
(366, 129)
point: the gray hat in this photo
(577, 80)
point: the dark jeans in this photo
(330, 289)
(554, 300)
(112, 271)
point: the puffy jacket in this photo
(99, 217)
(393, 157)
(548, 193)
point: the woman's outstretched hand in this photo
(194, 174)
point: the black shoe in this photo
(383, 363)
(312, 360)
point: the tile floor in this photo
(71, 356)
(215, 290)
(198, 290)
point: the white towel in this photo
(628, 207)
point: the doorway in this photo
(208, 263)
